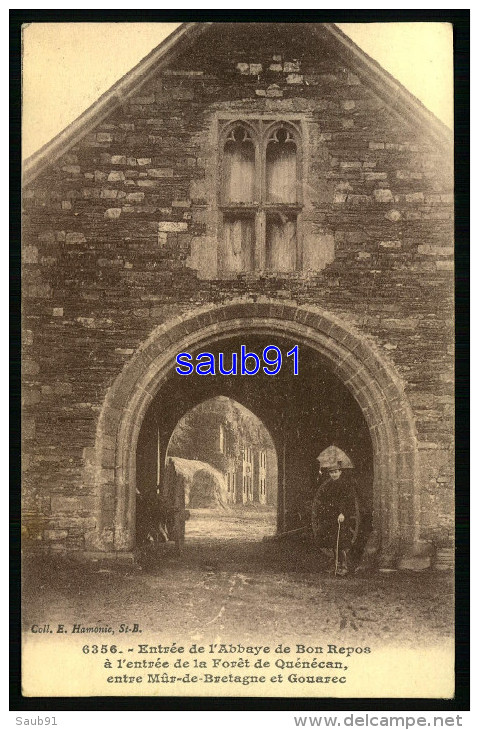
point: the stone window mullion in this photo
(261, 240)
(260, 195)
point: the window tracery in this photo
(260, 196)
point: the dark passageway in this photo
(304, 413)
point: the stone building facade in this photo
(227, 437)
(139, 242)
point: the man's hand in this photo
(341, 517)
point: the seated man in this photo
(334, 511)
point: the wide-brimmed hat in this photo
(334, 458)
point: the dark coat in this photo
(332, 498)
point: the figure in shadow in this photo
(335, 511)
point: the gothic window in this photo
(239, 166)
(260, 196)
(281, 167)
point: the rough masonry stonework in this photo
(120, 237)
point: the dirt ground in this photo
(248, 523)
(230, 583)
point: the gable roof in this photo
(397, 97)
(373, 75)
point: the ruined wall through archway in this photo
(372, 381)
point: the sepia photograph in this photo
(238, 360)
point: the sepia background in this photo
(419, 55)
(99, 308)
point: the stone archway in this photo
(372, 381)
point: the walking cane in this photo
(337, 543)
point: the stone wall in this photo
(119, 237)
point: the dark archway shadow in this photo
(304, 414)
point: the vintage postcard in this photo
(238, 360)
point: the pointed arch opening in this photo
(222, 459)
(364, 375)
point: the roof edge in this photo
(130, 83)
(397, 97)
